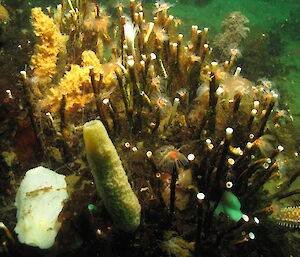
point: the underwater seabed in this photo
(127, 131)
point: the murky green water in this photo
(197, 150)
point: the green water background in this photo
(268, 16)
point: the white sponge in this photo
(39, 201)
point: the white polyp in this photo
(174, 48)
(176, 101)
(8, 92)
(253, 112)
(105, 101)
(280, 148)
(149, 154)
(229, 184)
(191, 157)
(142, 63)
(229, 132)
(231, 161)
(265, 165)
(153, 56)
(245, 217)
(130, 62)
(23, 73)
(256, 220)
(239, 151)
(251, 235)
(200, 196)
(214, 64)
(48, 114)
(256, 104)
(237, 71)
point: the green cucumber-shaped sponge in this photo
(110, 177)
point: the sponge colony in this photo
(39, 201)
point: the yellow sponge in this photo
(110, 177)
